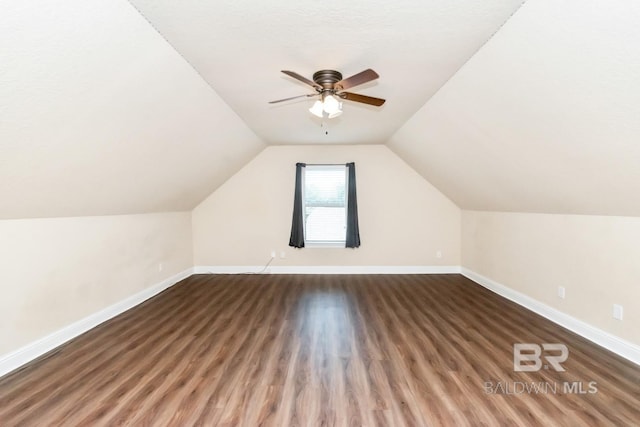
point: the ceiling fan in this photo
(330, 86)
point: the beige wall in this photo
(404, 220)
(596, 259)
(54, 272)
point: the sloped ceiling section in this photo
(99, 115)
(240, 46)
(544, 118)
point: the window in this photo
(325, 205)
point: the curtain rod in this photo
(325, 164)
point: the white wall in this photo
(596, 259)
(403, 219)
(54, 272)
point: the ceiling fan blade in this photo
(302, 79)
(357, 79)
(362, 98)
(293, 97)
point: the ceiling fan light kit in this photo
(330, 86)
(329, 105)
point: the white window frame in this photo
(325, 243)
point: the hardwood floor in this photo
(321, 350)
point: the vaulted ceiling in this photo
(99, 115)
(544, 118)
(112, 107)
(239, 47)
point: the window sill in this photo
(325, 244)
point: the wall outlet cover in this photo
(618, 311)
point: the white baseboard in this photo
(16, 359)
(324, 269)
(611, 342)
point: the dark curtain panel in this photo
(297, 224)
(353, 231)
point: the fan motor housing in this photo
(327, 78)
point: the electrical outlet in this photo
(561, 292)
(438, 254)
(273, 254)
(160, 266)
(617, 311)
(283, 254)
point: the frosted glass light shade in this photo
(316, 109)
(331, 105)
(337, 113)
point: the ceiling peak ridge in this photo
(460, 68)
(169, 43)
(478, 49)
(193, 68)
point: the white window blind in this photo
(325, 205)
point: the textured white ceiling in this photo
(99, 115)
(240, 46)
(544, 118)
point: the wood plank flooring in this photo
(320, 350)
